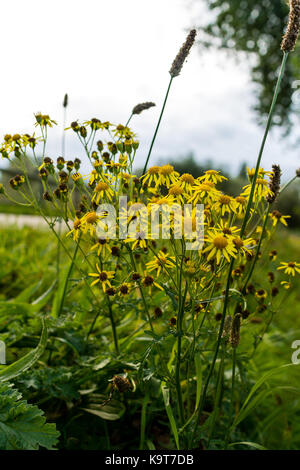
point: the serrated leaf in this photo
(23, 426)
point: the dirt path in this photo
(20, 221)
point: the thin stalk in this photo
(218, 395)
(67, 278)
(178, 362)
(179, 338)
(113, 326)
(261, 150)
(287, 184)
(143, 421)
(257, 249)
(212, 366)
(158, 124)
(227, 437)
(129, 119)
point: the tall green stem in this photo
(261, 150)
(227, 437)
(62, 301)
(158, 124)
(257, 249)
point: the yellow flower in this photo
(225, 204)
(219, 246)
(89, 222)
(162, 260)
(276, 217)
(262, 190)
(205, 193)
(261, 173)
(225, 228)
(124, 289)
(241, 205)
(177, 192)
(167, 176)
(138, 241)
(186, 182)
(149, 282)
(151, 176)
(76, 229)
(102, 191)
(44, 120)
(273, 255)
(102, 247)
(213, 176)
(261, 294)
(76, 177)
(290, 268)
(103, 277)
(244, 246)
(286, 285)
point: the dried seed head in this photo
(235, 331)
(182, 54)
(291, 35)
(121, 383)
(158, 312)
(66, 99)
(47, 196)
(142, 107)
(274, 184)
(227, 326)
(274, 291)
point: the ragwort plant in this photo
(177, 317)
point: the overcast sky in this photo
(109, 55)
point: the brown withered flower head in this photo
(234, 338)
(121, 383)
(291, 35)
(274, 184)
(139, 108)
(182, 54)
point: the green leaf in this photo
(43, 299)
(15, 369)
(60, 292)
(166, 397)
(255, 387)
(251, 444)
(150, 445)
(25, 295)
(13, 309)
(112, 411)
(23, 426)
(259, 398)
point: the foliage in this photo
(23, 425)
(255, 28)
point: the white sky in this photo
(109, 55)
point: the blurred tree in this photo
(256, 27)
